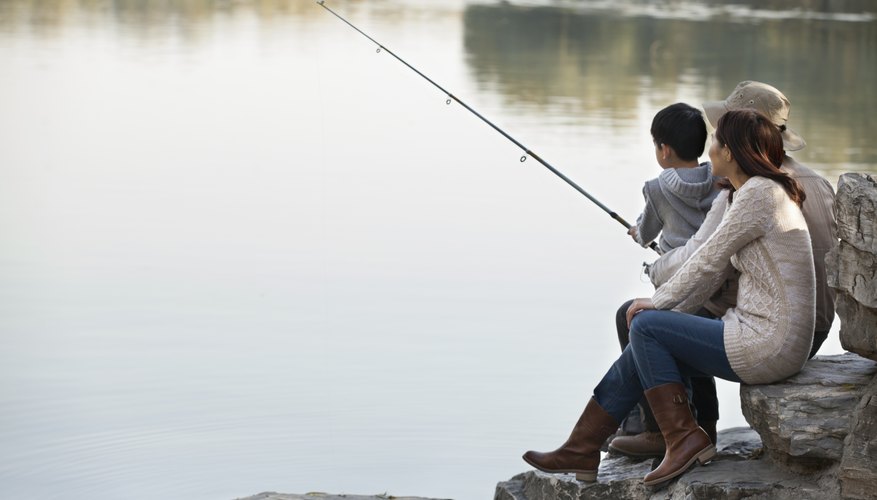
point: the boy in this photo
(679, 198)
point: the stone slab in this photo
(804, 420)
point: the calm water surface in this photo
(242, 252)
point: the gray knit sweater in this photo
(676, 203)
(764, 236)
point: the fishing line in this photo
(527, 152)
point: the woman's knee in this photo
(643, 323)
(642, 326)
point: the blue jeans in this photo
(665, 347)
(703, 389)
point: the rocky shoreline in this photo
(795, 450)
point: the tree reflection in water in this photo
(602, 62)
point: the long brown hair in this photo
(756, 144)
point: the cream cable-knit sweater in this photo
(818, 212)
(764, 236)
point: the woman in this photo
(764, 339)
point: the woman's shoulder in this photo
(766, 202)
(759, 189)
(759, 181)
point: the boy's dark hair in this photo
(681, 127)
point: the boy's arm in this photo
(648, 224)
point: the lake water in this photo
(242, 251)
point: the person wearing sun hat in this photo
(760, 97)
(818, 207)
(818, 210)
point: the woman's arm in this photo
(663, 269)
(746, 220)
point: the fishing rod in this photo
(527, 151)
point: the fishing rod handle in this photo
(652, 245)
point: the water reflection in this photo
(738, 10)
(144, 17)
(603, 63)
(592, 60)
(216, 280)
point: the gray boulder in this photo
(857, 473)
(852, 265)
(856, 211)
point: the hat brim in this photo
(714, 110)
(792, 141)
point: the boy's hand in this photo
(632, 232)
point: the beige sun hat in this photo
(760, 97)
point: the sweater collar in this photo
(688, 182)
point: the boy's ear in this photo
(667, 152)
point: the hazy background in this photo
(242, 251)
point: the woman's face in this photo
(720, 158)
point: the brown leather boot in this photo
(685, 441)
(650, 444)
(646, 444)
(581, 452)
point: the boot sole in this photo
(703, 457)
(581, 475)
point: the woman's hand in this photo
(637, 306)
